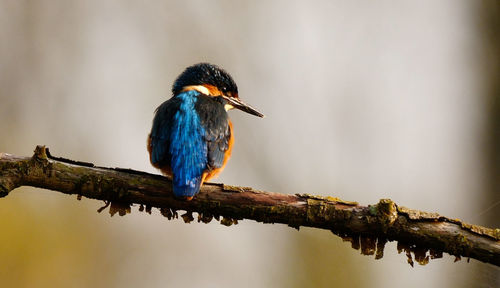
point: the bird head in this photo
(212, 81)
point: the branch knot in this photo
(387, 213)
(40, 153)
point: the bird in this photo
(192, 136)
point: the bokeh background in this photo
(364, 100)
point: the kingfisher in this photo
(192, 137)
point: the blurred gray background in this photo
(364, 100)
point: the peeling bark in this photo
(366, 227)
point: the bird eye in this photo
(224, 89)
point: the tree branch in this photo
(416, 231)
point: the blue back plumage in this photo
(178, 142)
(190, 135)
(187, 147)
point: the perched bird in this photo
(192, 136)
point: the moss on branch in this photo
(368, 228)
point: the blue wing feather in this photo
(160, 132)
(190, 135)
(215, 121)
(178, 141)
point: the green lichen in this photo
(40, 152)
(386, 213)
(426, 216)
(328, 199)
(387, 207)
(321, 211)
(23, 167)
(373, 210)
(493, 233)
(230, 188)
(418, 215)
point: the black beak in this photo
(238, 104)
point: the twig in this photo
(367, 227)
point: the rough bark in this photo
(427, 235)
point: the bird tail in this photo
(187, 188)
